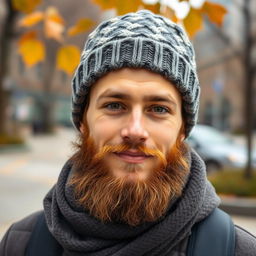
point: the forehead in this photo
(135, 83)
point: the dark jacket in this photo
(16, 239)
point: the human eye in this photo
(114, 106)
(158, 109)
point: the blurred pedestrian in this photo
(133, 187)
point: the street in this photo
(26, 176)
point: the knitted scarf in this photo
(81, 234)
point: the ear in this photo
(182, 137)
(82, 128)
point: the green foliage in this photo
(10, 140)
(232, 182)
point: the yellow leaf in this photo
(105, 4)
(155, 8)
(25, 6)
(68, 58)
(125, 6)
(54, 24)
(81, 26)
(193, 22)
(170, 14)
(31, 50)
(31, 19)
(215, 12)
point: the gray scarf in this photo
(81, 234)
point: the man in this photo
(133, 187)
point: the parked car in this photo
(217, 149)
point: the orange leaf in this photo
(193, 22)
(125, 6)
(215, 12)
(53, 30)
(31, 19)
(105, 4)
(121, 6)
(81, 26)
(25, 6)
(27, 36)
(170, 14)
(31, 50)
(155, 8)
(53, 14)
(68, 58)
(54, 24)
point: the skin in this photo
(135, 106)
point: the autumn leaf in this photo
(105, 4)
(25, 6)
(155, 8)
(81, 26)
(52, 13)
(215, 12)
(193, 22)
(31, 49)
(54, 24)
(121, 6)
(31, 19)
(27, 36)
(124, 6)
(68, 58)
(170, 14)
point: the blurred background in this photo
(40, 47)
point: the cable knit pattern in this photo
(81, 234)
(139, 40)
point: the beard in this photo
(109, 198)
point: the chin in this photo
(132, 174)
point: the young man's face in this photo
(135, 107)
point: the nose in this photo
(134, 131)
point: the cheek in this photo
(165, 138)
(103, 131)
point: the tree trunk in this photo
(5, 45)
(248, 83)
(48, 101)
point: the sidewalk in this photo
(26, 176)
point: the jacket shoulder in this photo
(245, 243)
(17, 236)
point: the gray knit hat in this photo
(138, 40)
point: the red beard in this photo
(114, 199)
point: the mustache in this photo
(119, 148)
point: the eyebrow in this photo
(123, 96)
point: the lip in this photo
(132, 156)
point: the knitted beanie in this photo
(138, 40)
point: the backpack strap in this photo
(41, 242)
(215, 235)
